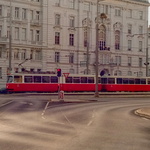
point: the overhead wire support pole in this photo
(10, 39)
(147, 63)
(96, 53)
(88, 43)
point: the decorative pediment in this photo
(87, 22)
(117, 26)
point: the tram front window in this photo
(9, 79)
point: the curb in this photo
(143, 112)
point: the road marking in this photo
(90, 123)
(6, 103)
(44, 110)
(145, 118)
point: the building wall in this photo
(40, 54)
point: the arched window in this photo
(102, 37)
(129, 73)
(118, 73)
(71, 71)
(117, 40)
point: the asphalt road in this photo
(38, 122)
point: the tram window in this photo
(37, 79)
(104, 80)
(17, 79)
(111, 80)
(76, 80)
(137, 81)
(131, 81)
(125, 80)
(148, 81)
(45, 79)
(9, 79)
(99, 80)
(90, 79)
(69, 80)
(119, 80)
(143, 81)
(83, 79)
(28, 79)
(54, 79)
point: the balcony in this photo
(35, 23)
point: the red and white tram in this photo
(21, 82)
(27, 82)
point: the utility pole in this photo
(10, 39)
(147, 63)
(88, 43)
(96, 53)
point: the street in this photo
(41, 122)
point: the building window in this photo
(85, 38)
(129, 45)
(17, 12)
(140, 15)
(23, 54)
(32, 54)
(130, 13)
(37, 35)
(129, 73)
(140, 73)
(71, 58)
(8, 11)
(0, 10)
(37, 15)
(105, 9)
(102, 38)
(71, 39)
(57, 57)
(129, 29)
(129, 61)
(1, 52)
(117, 12)
(31, 15)
(72, 21)
(140, 46)
(57, 20)
(24, 13)
(118, 73)
(16, 54)
(57, 38)
(31, 35)
(57, 2)
(118, 60)
(140, 62)
(71, 71)
(24, 34)
(87, 6)
(0, 72)
(0, 31)
(72, 4)
(16, 33)
(117, 40)
(38, 55)
(140, 29)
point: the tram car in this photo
(28, 82)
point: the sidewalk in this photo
(144, 112)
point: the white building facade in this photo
(51, 34)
